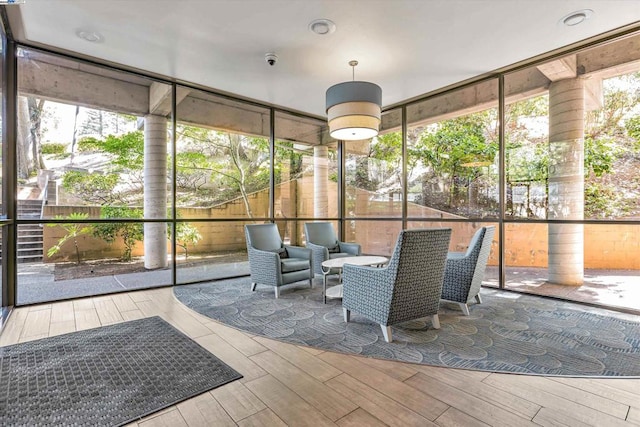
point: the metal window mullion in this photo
(272, 155)
(502, 182)
(10, 174)
(174, 186)
(405, 206)
(341, 191)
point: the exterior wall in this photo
(607, 246)
(89, 246)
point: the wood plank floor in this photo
(285, 384)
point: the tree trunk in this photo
(75, 133)
(36, 107)
(22, 143)
(234, 150)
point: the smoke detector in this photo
(322, 27)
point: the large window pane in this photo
(306, 169)
(572, 143)
(91, 143)
(572, 153)
(82, 136)
(375, 237)
(611, 264)
(373, 172)
(222, 157)
(61, 261)
(305, 172)
(208, 250)
(3, 208)
(452, 147)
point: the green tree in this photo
(73, 230)
(381, 168)
(125, 155)
(94, 188)
(611, 151)
(447, 147)
(238, 164)
(127, 150)
(130, 232)
(193, 170)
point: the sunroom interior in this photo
(137, 142)
(475, 153)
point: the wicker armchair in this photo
(324, 243)
(273, 263)
(465, 270)
(409, 287)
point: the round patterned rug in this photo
(506, 333)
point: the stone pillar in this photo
(155, 191)
(320, 181)
(566, 180)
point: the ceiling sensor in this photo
(577, 17)
(271, 58)
(90, 36)
(322, 26)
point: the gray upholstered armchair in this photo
(273, 263)
(465, 270)
(324, 243)
(409, 287)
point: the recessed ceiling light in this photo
(90, 35)
(322, 26)
(577, 17)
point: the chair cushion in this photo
(282, 252)
(333, 249)
(339, 255)
(294, 264)
(264, 236)
(321, 233)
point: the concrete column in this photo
(566, 180)
(320, 181)
(155, 191)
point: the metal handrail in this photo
(44, 195)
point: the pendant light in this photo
(353, 109)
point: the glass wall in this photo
(305, 173)
(375, 237)
(373, 172)
(4, 291)
(91, 143)
(222, 174)
(97, 167)
(572, 160)
(452, 154)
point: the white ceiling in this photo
(408, 47)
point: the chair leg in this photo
(478, 299)
(311, 283)
(464, 307)
(277, 289)
(386, 332)
(253, 286)
(435, 321)
(347, 314)
(324, 288)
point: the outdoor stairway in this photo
(30, 236)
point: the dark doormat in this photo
(106, 376)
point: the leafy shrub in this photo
(131, 232)
(89, 143)
(73, 230)
(54, 148)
